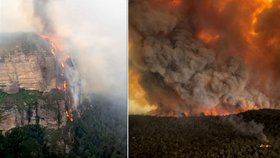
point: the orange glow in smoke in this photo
(208, 37)
(263, 4)
(65, 85)
(240, 25)
(220, 111)
(272, 41)
(54, 41)
(57, 49)
(175, 3)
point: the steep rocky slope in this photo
(32, 107)
(27, 83)
(26, 62)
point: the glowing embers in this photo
(222, 112)
(265, 146)
(69, 115)
(208, 37)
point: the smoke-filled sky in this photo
(97, 28)
(211, 56)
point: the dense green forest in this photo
(101, 129)
(98, 130)
(206, 136)
(28, 141)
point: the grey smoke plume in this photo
(71, 72)
(40, 11)
(95, 40)
(179, 73)
(248, 128)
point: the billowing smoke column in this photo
(247, 128)
(213, 57)
(41, 12)
(67, 75)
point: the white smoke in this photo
(97, 33)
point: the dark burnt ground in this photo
(205, 136)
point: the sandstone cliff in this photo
(27, 79)
(47, 115)
(26, 62)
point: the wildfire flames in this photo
(208, 37)
(265, 146)
(69, 115)
(61, 57)
(215, 57)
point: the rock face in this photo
(27, 64)
(47, 115)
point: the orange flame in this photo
(69, 115)
(208, 37)
(54, 41)
(57, 49)
(137, 101)
(65, 85)
(241, 28)
(61, 57)
(264, 4)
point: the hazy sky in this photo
(98, 29)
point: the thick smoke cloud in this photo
(95, 39)
(40, 11)
(247, 128)
(101, 42)
(198, 57)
